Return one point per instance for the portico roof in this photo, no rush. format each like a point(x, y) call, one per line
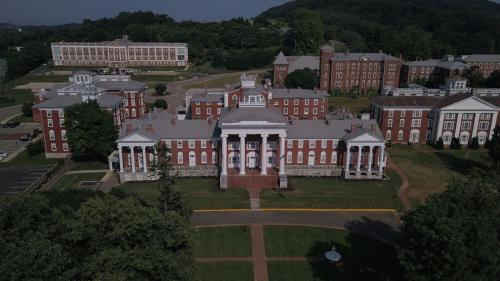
point(252, 117)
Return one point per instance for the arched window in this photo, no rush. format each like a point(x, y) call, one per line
point(388, 135)
point(322, 157)
point(52, 135)
point(204, 157)
point(400, 135)
point(447, 136)
point(63, 134)
point(289, 157)
point(180, 158)
point(334, 157)
point(311, 159)
point(300, 157)
point(214, 157)
point(481, 137)
point(464, 138)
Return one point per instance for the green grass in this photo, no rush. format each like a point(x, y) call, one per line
point(88, 165)
point(231, 241)
point(23, 159)
point(72, 181)
point(429, 170)
point(216, 83)
point(160, 78)
point(22, 119)
point(200, 193)
point(329, 192)
point(354, 104)
point(224, 271)
point(363, 258)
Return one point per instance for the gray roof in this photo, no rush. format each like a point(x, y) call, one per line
point(163, 125)
point(206, 95)
point(121, 85)
point(297, 93)
point(269, 114)
point(326, 47)
point(81, 72)
point(438, 63)
point(331, 129)
point(302, 62)
point(406, 101)
point(109, 100)
point(481, 58)
point(104, 100)
point(370, 56)
point(280, 59)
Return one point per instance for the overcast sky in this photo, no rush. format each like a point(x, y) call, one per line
point(69, 11)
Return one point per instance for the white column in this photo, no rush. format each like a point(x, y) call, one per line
point(493, 124)
point(242, 154)
point(458, 125)
point(381, 159)
point(144, 160)
point(348, 158)
point(224, 155)
point(476, 125)
point(370, 159)
point(360, 150)
point(282, 154)
point(263, 155)
point(132, 158)
point(120, 153)
point(155, 158)
point(439, 130)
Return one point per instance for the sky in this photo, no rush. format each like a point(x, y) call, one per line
point(50, 12)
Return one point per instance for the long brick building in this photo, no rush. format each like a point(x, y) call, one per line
point(252, 141)
point(119, 53)
point(117, 94)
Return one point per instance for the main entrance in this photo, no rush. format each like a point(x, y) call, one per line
point(252, 160)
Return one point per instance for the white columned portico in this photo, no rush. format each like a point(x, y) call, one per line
point(282, 154)
point(381, 159)
point(242, 154)
point(144, 160)
point(224, 155)
point(132, 158)
point(348, 157)
point(475, 126)
point(370, 159)
point(120, 153)
point(263, 155)
point(458, 125)
point(360, 150)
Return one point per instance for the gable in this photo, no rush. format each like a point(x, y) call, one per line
point(135, 137)
point(366, 137)
point(471, 103)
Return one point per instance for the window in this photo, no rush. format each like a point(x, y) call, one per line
point(203, 157)
point(485, 116)
point(295, 111)
point(467, 116)
point(449, 125)
point(400, 135)
point(449, 116)
point(390, 113)
point(306, 101)
point(53, 146)
point(61, 113)
point(417, 113)
point(65, 147)
point(168, 144)
point(388, 135)
point(214, 157)
point(180, 158)
point(335, 143)
point(322, 157)
point(285, 110)
point(289, 157)
point(203, 143)
point(61, 122)
point(50, 123)
point(306, 111)
point(286, 101)
point(296, 101)
point(125, 102)
point(401, 122)
point(389, 123)
point(235, 99)
point(315, 111)
point(198, 111)
point(322, 109)
point(447, 138)
point(301, 143)
point(133, 112)
point(466, 125)
point(209, 111)
point(49, 113)
point(179, 144)
point(312, 143)
point(315, 101)
point(334, 157)
point(192, 143)
point(132, 102)
point(52, 135)
point(63, 135)
point(289, 143)
point(416, 123)
point(484, 125)
point(252, 145)
point(324, 143)
point(300, 157)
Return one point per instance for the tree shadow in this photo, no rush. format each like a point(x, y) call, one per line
point(460, 165)
point(363, 257)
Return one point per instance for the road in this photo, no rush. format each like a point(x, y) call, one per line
point(6, 112)
point(382, 225)
point(178, 88)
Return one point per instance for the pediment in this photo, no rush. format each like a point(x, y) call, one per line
point(136, 137)
point(471, 103)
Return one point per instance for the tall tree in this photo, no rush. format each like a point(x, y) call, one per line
point(307, 30)
point(302, 78)
point(91, 130)
point(494, 148)
point(455, 235)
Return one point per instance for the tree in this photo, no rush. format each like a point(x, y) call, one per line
point(302, 78)
point(494, 147)
point(160, 89)
point(307, 30)
point(26, 109)
point(454, 236)
point(161, 103)
point(439, 144)
point(455, 144)
point(493, 81)
point(474, 144)
point(90, 130)
point(35, 148)
point(170, 199)
point(474, 77)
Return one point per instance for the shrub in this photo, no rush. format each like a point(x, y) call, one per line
point(455, 144)
point(160, 89)
point(439, 144)
point(35, 148)
point(474, 144)
point(161, 103)
point(26, 109)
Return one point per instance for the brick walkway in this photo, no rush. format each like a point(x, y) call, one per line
point(404, 185)
point(259, 253)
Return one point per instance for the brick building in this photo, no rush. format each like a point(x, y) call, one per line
point(422, 119)
point(284, 65)
point(119, 53)
point(432, 71)
point(486, 64)
point(117, 94)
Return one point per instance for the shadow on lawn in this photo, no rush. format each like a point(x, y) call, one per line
point(363, 258)
point(461, 164)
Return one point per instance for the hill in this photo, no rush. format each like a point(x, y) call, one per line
point(414, 28)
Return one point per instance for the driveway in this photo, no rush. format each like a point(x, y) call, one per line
point(17, 179)
point(7, 112)
point(9, 137)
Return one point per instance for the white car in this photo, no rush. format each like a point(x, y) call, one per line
point(3, 155)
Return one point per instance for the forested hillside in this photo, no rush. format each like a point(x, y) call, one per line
point(415, 28)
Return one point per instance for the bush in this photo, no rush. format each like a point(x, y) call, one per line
point(439, 144)
point(302, 78)
point(27, 111)
point(160, 89)
point(455, 144)
point(35, 148)
point(161, 103)
point(474, 144)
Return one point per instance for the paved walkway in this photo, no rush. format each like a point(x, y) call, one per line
point(258, 253)
point(87, 171)
point(404, 185)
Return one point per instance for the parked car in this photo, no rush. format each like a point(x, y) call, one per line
point(26, 137)
point(3, 155)
point(11, 124)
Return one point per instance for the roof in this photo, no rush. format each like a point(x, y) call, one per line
point(121, 85)
point(84, 72)
point(406, 101)
point(249, 114)
point(280, 59)
point(331, 129)
point(449, 100)
point(302, 62)
point(492, 100)
point(357, 56)
point(60, 101)
point(297, 93)
point(326, 47)
point(437, 63)
point(481, 58)
point(109, 100)
point(206, 95)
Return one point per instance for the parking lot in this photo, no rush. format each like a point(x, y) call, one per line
point(9, 137)
point(18, 179)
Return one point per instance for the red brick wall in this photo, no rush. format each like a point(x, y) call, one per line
point(56, 128)
point(202, 107)
point(321, 108)
point(325, 70)
point(406, 128)
point(280, 74)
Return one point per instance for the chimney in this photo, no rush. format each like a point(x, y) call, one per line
point(149, 128)
point(129, 128)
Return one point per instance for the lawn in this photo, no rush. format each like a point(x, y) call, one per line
point(363, 258)
point(216, 83)
point(161, 78)
point(88, 165)
point(23, 159)
point(230, 241)
point(200, 193)
point(22, 119)
point(355, 104)
point(325, 192)
point(72, 181)
point(429, 170)
point(224, 271)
